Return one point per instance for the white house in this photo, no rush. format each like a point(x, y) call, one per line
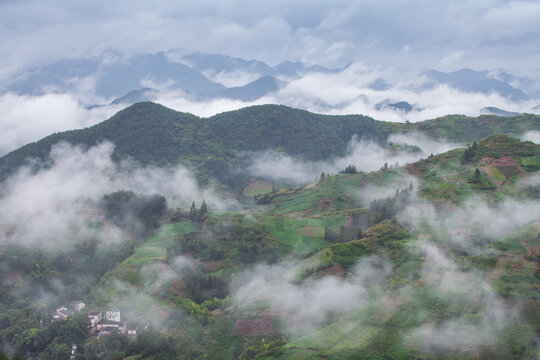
point(62, 313)
point(132, 331)
point(95, 317)
point(112, 316)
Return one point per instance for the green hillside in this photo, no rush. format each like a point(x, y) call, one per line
point(153, 134)
point(437, 283)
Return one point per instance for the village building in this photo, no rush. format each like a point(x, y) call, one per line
point(61, 313)
point(112, 316)
point(107, 328)
point(132, 331)
point(73, 351)
point(95, 317)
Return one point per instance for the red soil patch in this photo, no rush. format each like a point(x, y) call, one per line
point(324, 203)
point(507, 165)
point(309, 231)
point(257, 185)
point(211, 265)
point(335, 270)
point(254, 326)
point(502, 161)
point(519, 264)
point(413, 170)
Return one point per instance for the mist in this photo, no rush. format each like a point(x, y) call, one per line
point(489, 313)
point(51, 206)
point(365, 155)
point(27, 119)
point(473, 223)
point(533, 135)
point(348, 91)
point(312, 302)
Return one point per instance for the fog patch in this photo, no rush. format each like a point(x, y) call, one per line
point(314, 301)
point(155, 276)
point(530, 181)
point(29, 118)
point(533, 135)
point(363, 154)
point(56, 204)
point(474, 221)
point(137, 305)
point(427, 144)
point(372, 191)
point(489, 313)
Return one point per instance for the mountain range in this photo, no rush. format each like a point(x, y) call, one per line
point(433, 258)
point(210, 76)
point(153, 134)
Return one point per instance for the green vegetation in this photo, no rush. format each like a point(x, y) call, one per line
point(417, 276)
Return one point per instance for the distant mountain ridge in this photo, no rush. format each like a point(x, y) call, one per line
point(200, 77)
point(163, 71)
point(153, 134)
point(468, 80)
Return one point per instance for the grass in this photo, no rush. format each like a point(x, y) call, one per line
point(530, 161)
point(289, 231)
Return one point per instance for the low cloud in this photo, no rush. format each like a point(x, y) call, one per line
point(52, 206)
point(350, 92)
point(312, 302)
point(473, 221)
point(156, 275)
point(365, 155)
point(27, 119)
point(462, 331)
point(533, 135)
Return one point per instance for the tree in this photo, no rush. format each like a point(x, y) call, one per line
point(323, 175)
point(351, 169)
point(193, 211)
point(477, 175)
point(203, 212)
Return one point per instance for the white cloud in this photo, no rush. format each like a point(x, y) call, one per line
point(533, 135)
point(365, 155)
point(27, 119)
point(50, 207)
point(310, 303)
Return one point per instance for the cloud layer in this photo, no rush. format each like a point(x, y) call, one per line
point(493, 34)
point(48, 206)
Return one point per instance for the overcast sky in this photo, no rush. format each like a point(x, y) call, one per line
point(406, 34)
point(394, 40)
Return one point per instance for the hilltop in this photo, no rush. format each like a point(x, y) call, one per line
point(153, 134)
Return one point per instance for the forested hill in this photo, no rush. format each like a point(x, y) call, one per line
point(153, 134)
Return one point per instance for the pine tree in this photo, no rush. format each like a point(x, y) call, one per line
point(193, 211)
point(203, 211)
point(477, 175)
